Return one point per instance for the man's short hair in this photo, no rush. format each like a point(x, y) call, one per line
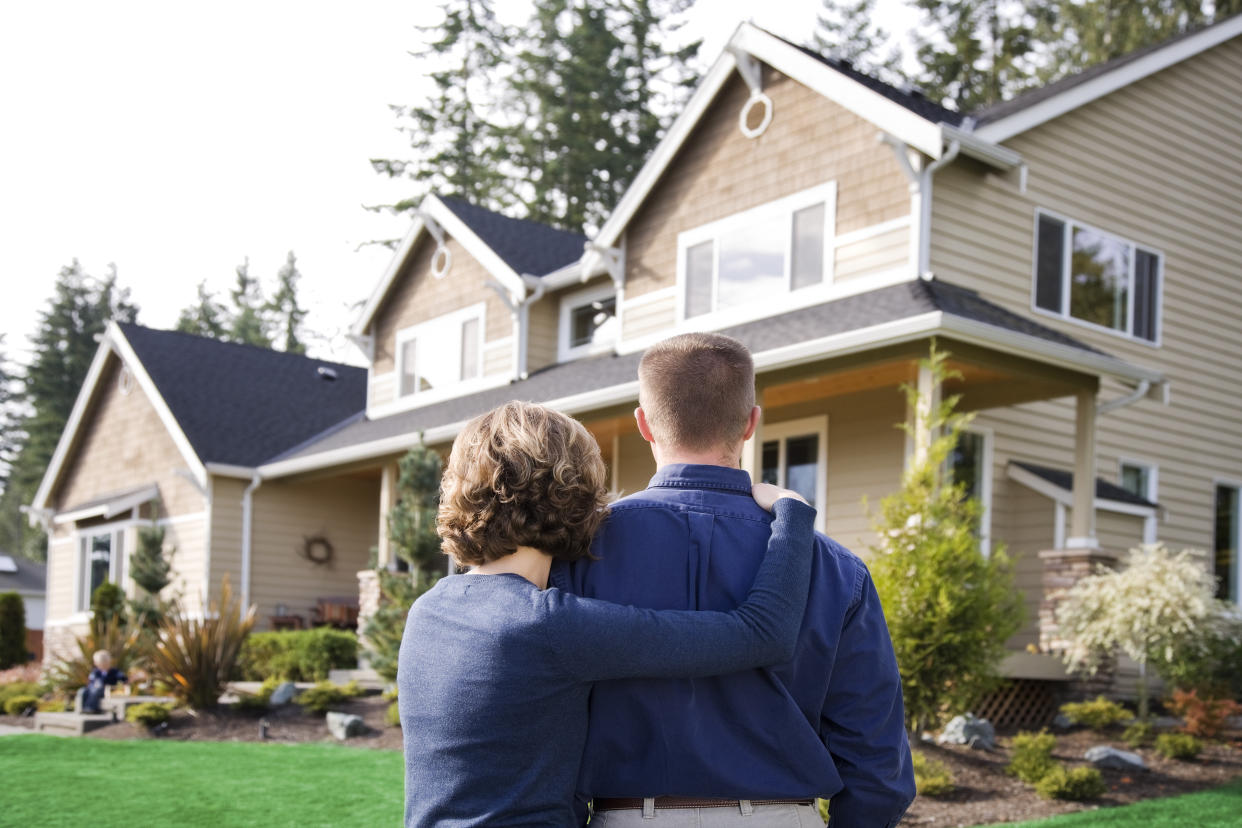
point(697, 390)
point(521, 475)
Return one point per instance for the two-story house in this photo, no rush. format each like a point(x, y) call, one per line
point(1075, 250)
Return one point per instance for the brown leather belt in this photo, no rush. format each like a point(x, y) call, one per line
point(626, 802)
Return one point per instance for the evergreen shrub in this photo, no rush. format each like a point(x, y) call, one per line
point(148, 714)
point(298, 655)
point(1077, 785)
point(1139, 734)
point(18, 705)
point(931, 777)
point(325, 695)
point(1099, 714)
point(1178, 746)
point(1032, 756)
point(12, 630)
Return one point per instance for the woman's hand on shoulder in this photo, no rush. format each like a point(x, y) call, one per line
point(766, 495)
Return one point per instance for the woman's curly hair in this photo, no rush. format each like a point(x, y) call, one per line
point(521, 475)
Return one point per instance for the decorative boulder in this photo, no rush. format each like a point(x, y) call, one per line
point(282, 694)
point(344, 725)
point(1103, 756)
point(969, 730)
point(1062, 722)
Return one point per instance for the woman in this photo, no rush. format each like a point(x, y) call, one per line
point(495, 668)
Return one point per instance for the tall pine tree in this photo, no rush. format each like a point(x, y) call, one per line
point(8, 420)
point(206, 318)
point(975, 53)
point(283, 309)
point(248, 325)
point(64, 344)
point(847, 30)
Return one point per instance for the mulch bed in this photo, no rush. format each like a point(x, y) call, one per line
point(985, 795)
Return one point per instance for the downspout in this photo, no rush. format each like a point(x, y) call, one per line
point(920, 199)
point(519, 312)
point(1139, 392)
point(247, 530)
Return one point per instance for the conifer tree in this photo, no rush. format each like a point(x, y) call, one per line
point(8, 420)
point(975, 53)
point(248, 325)
point(284, 309)
point(949, 608)
point(207, 317)
point(846, 29)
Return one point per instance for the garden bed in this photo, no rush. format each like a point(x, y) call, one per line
point(985, 795)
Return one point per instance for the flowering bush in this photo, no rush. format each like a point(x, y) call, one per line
point(1158, 599)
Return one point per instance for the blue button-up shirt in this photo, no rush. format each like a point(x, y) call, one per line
point(829, 723)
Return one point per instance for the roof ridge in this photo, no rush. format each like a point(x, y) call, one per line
point(246, 345)
point(541, 225)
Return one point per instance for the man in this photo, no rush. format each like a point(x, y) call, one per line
point(757, 745)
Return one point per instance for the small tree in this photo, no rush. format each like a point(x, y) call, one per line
point(150, 567)
point(398, 592)
point(107, 605)
point(950, 609)
point(1145, 609)
point(12, 630)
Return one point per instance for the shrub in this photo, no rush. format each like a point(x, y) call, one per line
point(195, 656)
point(18, 688)
point(107, 604)
point(53, 706)
point(18, 705)
point(950, 609)
point(260, 699)
point(392, 716)
point(1032, 756)
point(1139, 734)
point(1178, 746)
point(931, 777)
point(298, 655)
point(12, 630)
point(1077, 785)
point(148, 714)
point(1099, 715)
point(383, 632)
point(322, 696)
point(28, 672)
point(1206, 658)
point(1205, 717)
point(72, 669)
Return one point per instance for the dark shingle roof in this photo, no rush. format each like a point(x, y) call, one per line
point(239, 404)
point(31, 576)
point(850, 313)
point(1065, 480)
point(526, 246)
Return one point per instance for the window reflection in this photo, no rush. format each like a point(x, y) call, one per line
point(1099, 277)
point(752, 263)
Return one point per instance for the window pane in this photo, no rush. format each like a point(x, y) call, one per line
point(1227, 543)
point(1049, 263)
point(966, 463)
point(807, 267)
point(1099, 277)
point(752, 263)
point(100, 563)
point(1134, 479)
point(802, 466)
point(699, 279)
point(771, 472)
point(408, 352)
point(439, 359)
point(470, 349)
point(1146, 269)
point(592, 322)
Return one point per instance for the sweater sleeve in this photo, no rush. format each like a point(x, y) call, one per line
point(599, 640)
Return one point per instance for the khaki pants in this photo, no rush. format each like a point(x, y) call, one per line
point(743, 815)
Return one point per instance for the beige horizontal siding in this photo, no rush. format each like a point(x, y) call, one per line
point(226, 533)
point(60, 555)
point(879, 253)
point(1159, 163)
point(382, 389)
point(649, 317)
point(1023, 523)
point(498, 359)
point(188, 541)
point(544, 324)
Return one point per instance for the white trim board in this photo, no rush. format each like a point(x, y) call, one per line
point(1110, 81)
point(1064, 497)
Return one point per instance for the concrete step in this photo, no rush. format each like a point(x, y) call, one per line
point(120, 704)
point(367, 679)
point(71, 724)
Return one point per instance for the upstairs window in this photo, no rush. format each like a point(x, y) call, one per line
point(440, 353)
point(588, 322)
point(753, 256)
point(1086, 274)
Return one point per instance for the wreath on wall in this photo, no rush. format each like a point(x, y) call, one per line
point(317, 549)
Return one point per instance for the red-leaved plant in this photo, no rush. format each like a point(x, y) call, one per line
point(1205, 717)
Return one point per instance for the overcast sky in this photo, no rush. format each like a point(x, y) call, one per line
point(174, 140)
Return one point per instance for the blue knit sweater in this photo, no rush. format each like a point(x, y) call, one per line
point(494, 676)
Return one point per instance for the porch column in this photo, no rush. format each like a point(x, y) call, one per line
point(388, 499)
point(1082, 522)
point(920, 417)
point(752, 449)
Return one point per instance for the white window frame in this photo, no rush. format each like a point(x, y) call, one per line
point(1153, 488)
point(1236, 485)
point(453, 320)
point(986, 461)
point(118, 566)
point(571, 302)
point(804, 427)
point(783, 207)
point(1066, 257)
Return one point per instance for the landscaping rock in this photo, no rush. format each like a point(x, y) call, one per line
point(1062, 722)
point(969, 730)
point(344, 725)
point(1103, 756)
point(282, 694)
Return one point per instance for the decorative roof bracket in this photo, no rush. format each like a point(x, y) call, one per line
point(441, 259)
point(611, 257)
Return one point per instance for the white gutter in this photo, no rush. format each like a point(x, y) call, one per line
point(925, 206)
point(247, 540)
point(1139, 392)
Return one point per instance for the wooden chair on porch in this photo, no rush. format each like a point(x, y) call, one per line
point(340, 611)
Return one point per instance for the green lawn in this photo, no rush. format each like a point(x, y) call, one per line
point(1219, 808)
point(53, 781)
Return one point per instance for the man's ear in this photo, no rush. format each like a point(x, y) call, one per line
point(752, 422)
point(640, 417)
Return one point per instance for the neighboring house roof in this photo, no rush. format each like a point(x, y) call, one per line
point(241, 404)
point(1064, 481)
point(24, 576)
point(526, 246)
point(901, 312)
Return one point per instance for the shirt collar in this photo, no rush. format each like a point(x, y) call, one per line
point(693, 476)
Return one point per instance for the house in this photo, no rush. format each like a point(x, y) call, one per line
point(28, 579)
point(1075, 250)
point(168, 428)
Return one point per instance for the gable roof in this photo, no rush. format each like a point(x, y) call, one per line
point(1063, 482)
point(240, 404)
point(1006, 119)
point(906, 311)
point(525, 246)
